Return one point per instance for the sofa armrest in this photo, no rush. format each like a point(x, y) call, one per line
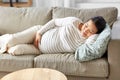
point(114, 52)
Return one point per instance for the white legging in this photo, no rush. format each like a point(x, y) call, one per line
point(24, 37)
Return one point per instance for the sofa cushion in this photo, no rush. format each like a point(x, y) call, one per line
point(23, 49)
point(67, 64)
point(10, 63)
point(17, 19)
point(109, 13)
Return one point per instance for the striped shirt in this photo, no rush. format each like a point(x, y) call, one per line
point(61, 35)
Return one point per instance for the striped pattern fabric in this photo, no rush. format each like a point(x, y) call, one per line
point(61, 35)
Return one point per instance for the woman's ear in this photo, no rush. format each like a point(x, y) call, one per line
point(80, 26)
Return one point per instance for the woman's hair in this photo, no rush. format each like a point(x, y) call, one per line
point(99, 22)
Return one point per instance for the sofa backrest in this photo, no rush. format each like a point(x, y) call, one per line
point(17, 19)
point(109, 13)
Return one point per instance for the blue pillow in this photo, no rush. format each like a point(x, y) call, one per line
point(95, 50)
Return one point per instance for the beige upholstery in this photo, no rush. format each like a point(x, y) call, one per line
point(114, 59)
point(9, 63)
point(17, 19)
point(67, 64)
point(114, 52)
point(110, 14)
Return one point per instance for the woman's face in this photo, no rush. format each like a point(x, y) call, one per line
point(88, 29)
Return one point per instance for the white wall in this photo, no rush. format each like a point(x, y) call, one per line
point(49, 3)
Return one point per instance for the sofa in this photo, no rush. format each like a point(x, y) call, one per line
point(107, 67)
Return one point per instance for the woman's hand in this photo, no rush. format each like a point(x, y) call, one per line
point(37, 39)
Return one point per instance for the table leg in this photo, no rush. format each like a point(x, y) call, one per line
point(11, 3)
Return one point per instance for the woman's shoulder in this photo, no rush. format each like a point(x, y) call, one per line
point(72, 17)
point(69, 18)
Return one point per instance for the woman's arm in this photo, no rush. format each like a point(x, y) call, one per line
point(58, 23)
point(67, 20)
point(47, 26)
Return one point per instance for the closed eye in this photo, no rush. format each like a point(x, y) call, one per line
point(91, 31)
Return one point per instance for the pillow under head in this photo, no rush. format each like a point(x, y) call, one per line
point(95, 50)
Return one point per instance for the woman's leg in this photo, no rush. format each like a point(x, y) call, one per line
point(4, 38)
point(23, 37)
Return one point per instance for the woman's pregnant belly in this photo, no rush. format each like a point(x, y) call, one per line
point(49, 41)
